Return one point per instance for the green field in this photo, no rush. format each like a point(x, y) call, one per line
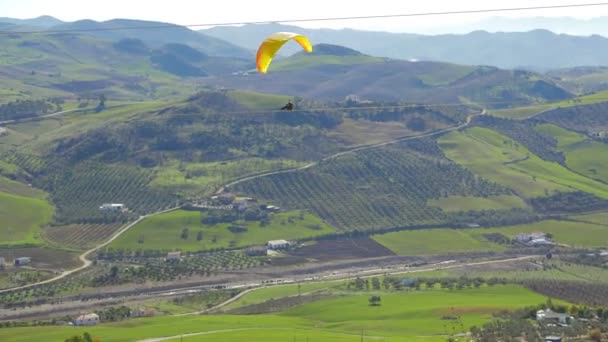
point(442, 241)
point(202, 179)
point(524, 112)
point(259, 101)
point(466, 203)
point(500, 159)
point(597, 218)
point(582, 154)
point(435, 241)
point(264, 294)
point(403, 316)
point(22, 218)
point(164, 232)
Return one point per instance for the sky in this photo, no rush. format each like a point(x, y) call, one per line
point(185, 12)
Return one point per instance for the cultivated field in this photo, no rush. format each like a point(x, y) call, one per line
point(164, 232)
point(402, 316)
point(500, 159)
point(462, 203)
point(80, 236)
point(343, 248)
point(22, 219)
point(442, 241)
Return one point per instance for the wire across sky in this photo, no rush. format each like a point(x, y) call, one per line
point(403, 15)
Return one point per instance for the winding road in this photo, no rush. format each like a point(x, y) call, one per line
point(87, 262)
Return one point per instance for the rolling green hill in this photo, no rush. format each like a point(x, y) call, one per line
point(506, 162)
point(23, 212)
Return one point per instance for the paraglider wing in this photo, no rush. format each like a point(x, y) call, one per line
point(273, 43)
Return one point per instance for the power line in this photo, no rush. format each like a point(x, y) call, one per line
point(384, 16)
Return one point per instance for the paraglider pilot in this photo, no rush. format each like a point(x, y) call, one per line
point(288, 106)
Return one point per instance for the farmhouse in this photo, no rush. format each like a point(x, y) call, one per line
point(273, 208)
point(112, 207)
point(278, 244)
point(174, 255)
point(554, 317)
point(22, 261)
point(88, 319)
point(553, 339)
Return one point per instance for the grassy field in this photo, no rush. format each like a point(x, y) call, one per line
point(466, 203)
point(441, 241)
point(22, 218)
point(582, 154)
point(597, 218)
point(199, 179)
point(403, 316)
point(259, 101)
point(435, 241)
point(523, 112)
point(8, 186)
point(415, 313)
point(273, 292)
point(164, 231)
point(498, 158)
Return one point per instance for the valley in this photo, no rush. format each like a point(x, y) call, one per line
point(152, 179)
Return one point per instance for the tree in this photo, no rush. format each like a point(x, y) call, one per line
point(416, 124)
point(185, 234)
point(595, 335)
point(199, 235)
point(375, 300)
point(87, 337)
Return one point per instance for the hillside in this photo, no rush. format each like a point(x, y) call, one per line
point(44, 21)
point(65, 65)
point(537, 49)
point(393, 80)
point(107, 30)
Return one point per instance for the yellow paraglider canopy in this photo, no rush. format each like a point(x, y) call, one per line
point(273, 43)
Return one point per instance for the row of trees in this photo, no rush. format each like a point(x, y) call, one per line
point(22, 109)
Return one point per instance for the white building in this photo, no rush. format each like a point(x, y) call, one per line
point(555, 317)
point(112, 207)
point(174, 255)
point(278, 244)
point(22, 261)
point(2, 262)
point(88, 319)
point(527, 237)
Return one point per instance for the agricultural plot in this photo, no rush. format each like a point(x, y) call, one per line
point(596, 218)
point(582, 155)
point(342, 248)
point(22, 218)
point(202, 179)
point(374, 189)
point(181, 230)
point(444, 241)
point(402, 316)
point(79, 191)
point(43, 257)
point(498, 158)
point(461, 203)
point(80, 236)
point(436, 241)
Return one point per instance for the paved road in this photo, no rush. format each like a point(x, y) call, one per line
point(87, 262)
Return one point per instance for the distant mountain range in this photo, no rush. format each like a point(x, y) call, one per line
point(538, 49)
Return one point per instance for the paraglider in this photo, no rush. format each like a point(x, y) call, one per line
point(273, 43)
point(288, 106)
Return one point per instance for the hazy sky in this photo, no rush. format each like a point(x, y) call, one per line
point(205, 11)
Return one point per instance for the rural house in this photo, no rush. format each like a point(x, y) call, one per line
point(22, 261)
point(532, 239)
point(256, 251)
point(88, 319)
point(553, 317)
point(553, 339)
point(278, 244)
point(112, 207)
